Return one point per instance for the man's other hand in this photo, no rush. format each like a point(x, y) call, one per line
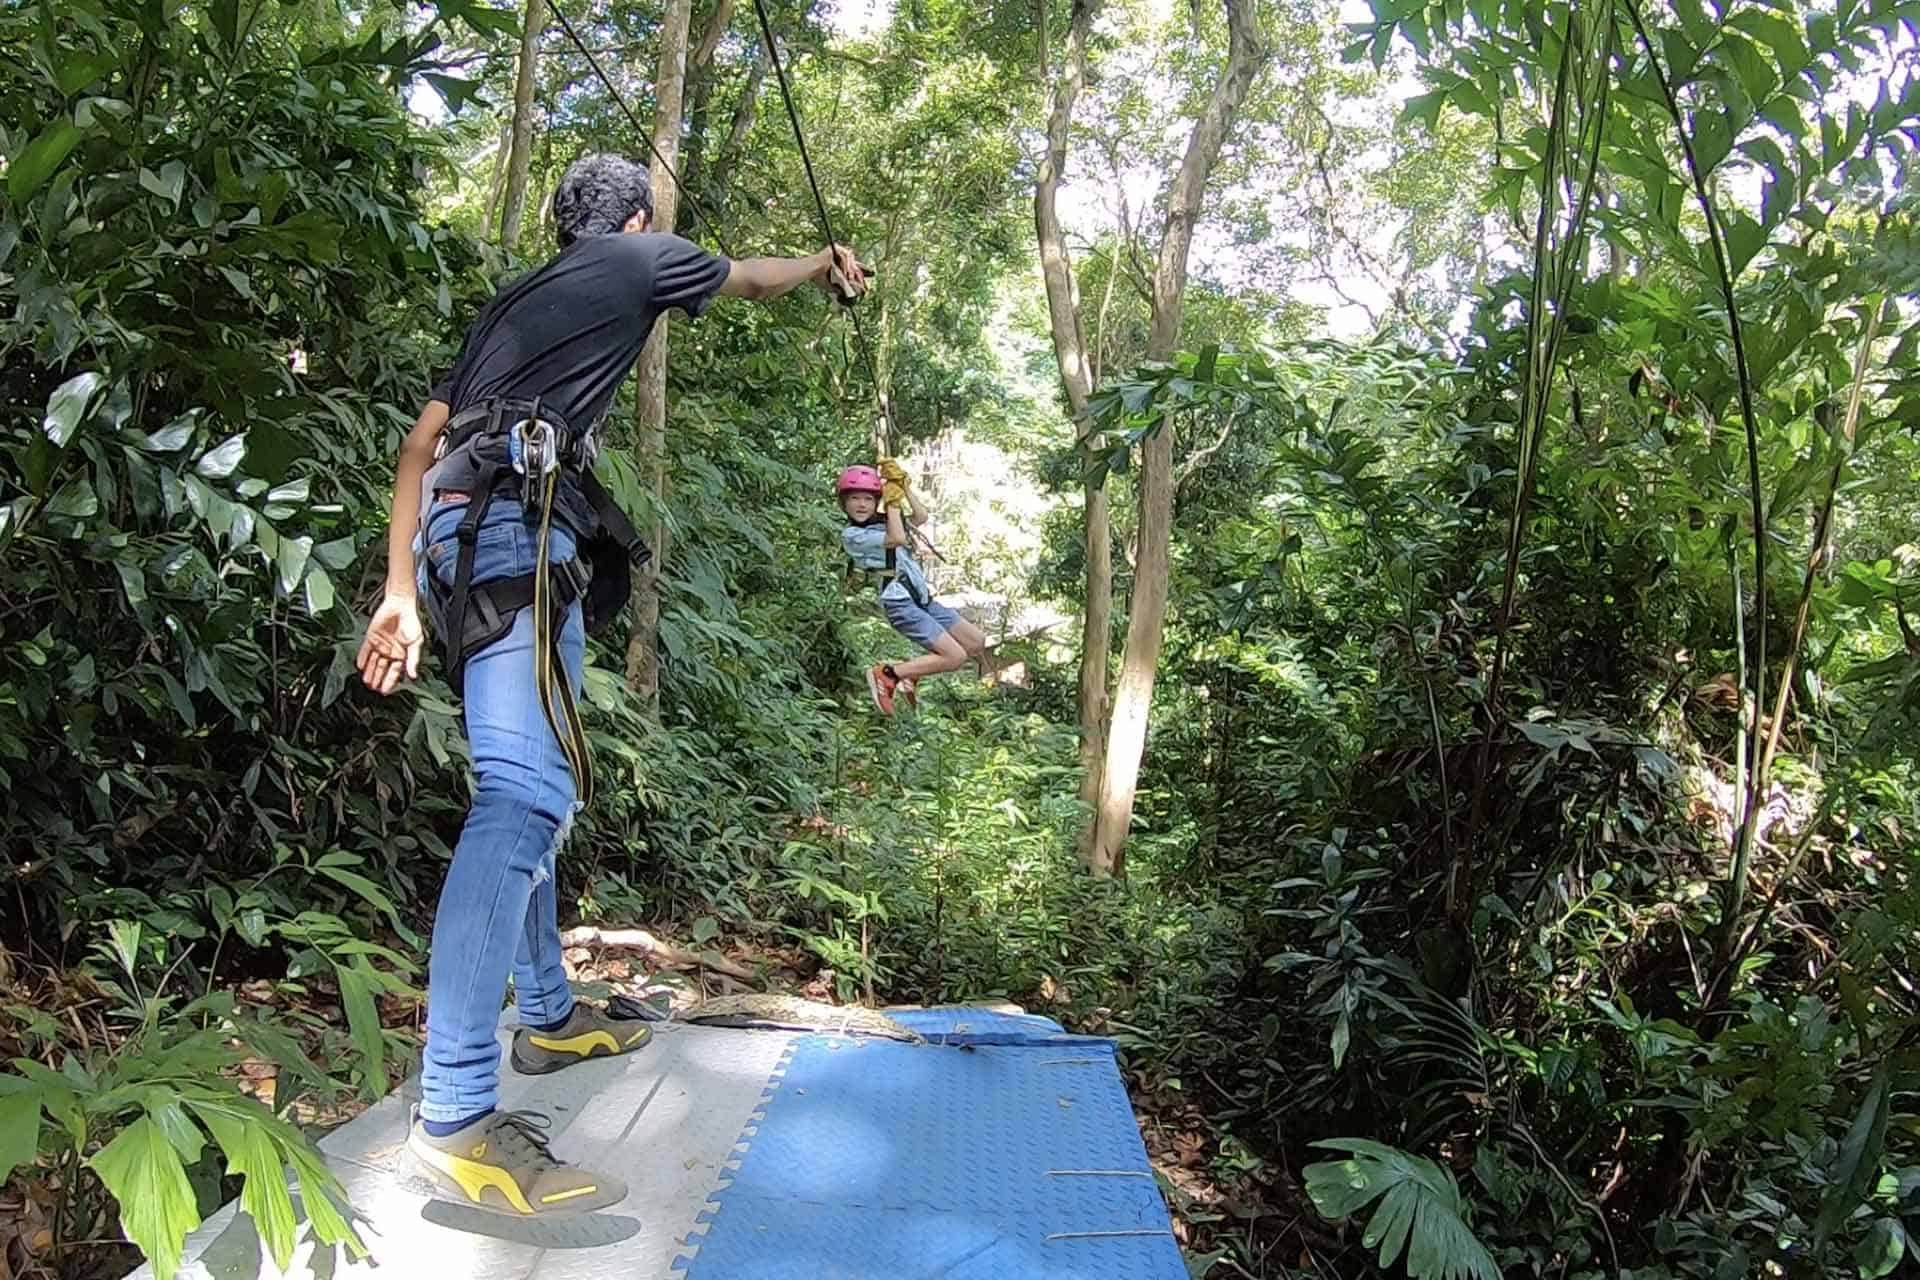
point(392, 645)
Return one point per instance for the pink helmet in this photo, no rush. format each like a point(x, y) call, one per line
point(861, 479)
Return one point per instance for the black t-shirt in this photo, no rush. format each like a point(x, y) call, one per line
point(569, 331)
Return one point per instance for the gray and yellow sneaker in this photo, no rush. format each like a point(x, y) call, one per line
point(502, 1164)
point(588, 1032)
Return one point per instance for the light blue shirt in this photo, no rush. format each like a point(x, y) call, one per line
point(867, 548)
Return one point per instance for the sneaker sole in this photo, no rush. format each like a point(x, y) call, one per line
point(451, 1192)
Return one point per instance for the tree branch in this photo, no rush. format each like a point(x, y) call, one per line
point(1195, 461)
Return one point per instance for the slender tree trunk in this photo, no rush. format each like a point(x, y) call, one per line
point(700, 74)
point(497, 184)
point(522, 153)
point(743, 112)
point(643, 642)
point(1247, 53)
point(1076, 375)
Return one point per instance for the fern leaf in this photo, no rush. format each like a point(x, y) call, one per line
point(1421, 1211)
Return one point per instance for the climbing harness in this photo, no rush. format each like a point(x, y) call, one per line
point(883, 577)
point(517, 447)
point(865, 479)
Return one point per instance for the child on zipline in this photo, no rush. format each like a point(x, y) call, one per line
point(882, 544)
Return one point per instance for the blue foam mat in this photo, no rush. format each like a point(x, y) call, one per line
point(1003, 1148)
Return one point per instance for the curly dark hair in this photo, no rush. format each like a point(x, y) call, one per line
point(597, 194)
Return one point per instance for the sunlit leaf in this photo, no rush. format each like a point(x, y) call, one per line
point(292, 560)
point(142, 1171)
point(68, 405)
point(319, 591)
point(168, 183)
point(251, 1153)
point(219, 462)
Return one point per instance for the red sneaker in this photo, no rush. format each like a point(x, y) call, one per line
point(881, 686)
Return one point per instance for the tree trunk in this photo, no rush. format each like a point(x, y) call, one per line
point(522, 154)
point(1127, 733)
point(497, 184)
point(643, 642)
point(1076, 375)
point(700, 72)
point(743, 112)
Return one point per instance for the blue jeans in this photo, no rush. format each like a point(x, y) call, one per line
point(498, 912)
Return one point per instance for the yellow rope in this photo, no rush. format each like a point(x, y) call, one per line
point(565, 720)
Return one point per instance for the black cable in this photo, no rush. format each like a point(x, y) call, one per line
point(693, 205)
point(820, 204)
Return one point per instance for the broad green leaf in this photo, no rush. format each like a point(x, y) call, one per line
point(219, 462)
point(481, 16)
point(41, 157)
point(1859, 1158)
point(75, 71)
point(76, 500)
point(337, 554)
point(357, 987)
point(19, 1129)
point(12, 515)
point(292, 561)
point(295, 491)
point(176, 435)
point(168, 183)
point(226, 23)
point(67, 406)
point(1745, 238)
point(1425, 108)
point(1781, 37)
point(370, 892)
point(319, 1190)
point(1882, 1249)
point(319, 591)
point(123, 940)
point(251, 925)
point(143, 1172)
point(272, 449)
point(1421, 1210)
point(163, 1108)
point(251, 1153)
point(455, 92)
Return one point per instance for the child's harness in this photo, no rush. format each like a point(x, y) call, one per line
point(516, 447)
point(880, 578)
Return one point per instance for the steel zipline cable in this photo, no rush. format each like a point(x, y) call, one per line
point(806, 161)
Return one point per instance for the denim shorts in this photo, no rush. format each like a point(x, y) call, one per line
point(922, 625)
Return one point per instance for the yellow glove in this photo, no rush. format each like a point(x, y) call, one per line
point(894, 494)
point(891, 470)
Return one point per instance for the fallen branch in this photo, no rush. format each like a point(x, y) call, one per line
point(666, 953)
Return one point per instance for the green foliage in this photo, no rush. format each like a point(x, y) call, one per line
point(234, 261)
point(1421, 1210)
point(138, 1113)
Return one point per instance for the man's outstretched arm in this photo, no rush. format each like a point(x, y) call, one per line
point(763, 278)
